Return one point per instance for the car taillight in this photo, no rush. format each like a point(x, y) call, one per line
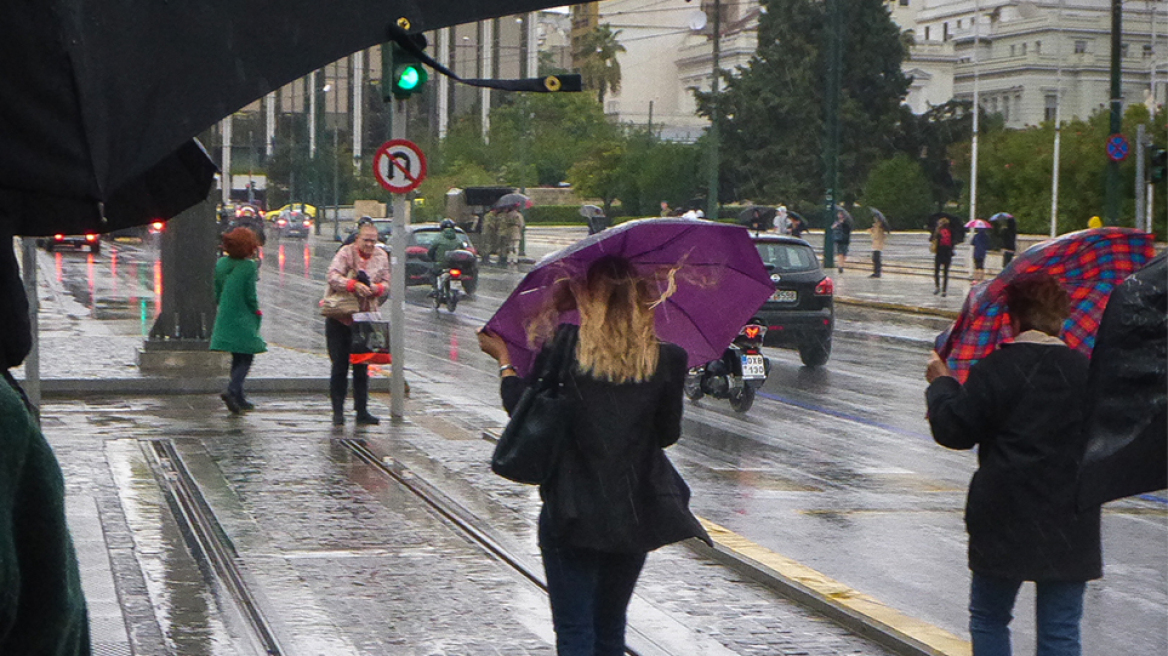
point(456, 273)
point(825, 287)
point(307, 223)
point(90, 237)
point(59, 237)
point(416, 250)
point(281, 223)
point(157, 225)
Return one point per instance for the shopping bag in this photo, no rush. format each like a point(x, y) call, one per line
point(370, 339)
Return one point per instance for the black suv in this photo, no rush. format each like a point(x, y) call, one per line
point(800, 313)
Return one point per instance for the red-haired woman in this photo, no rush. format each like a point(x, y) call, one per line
point(237, 321)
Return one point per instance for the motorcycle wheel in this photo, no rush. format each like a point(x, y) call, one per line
point(693, 387)
point(437, 299)
point(743, 399)
point(452, 300)
point(469, 286)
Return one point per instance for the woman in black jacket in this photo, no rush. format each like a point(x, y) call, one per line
point(1023, 407)
point(614, 496)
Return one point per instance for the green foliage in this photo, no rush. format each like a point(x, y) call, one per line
point(555, 214)
point(597, 60)
point(1016, 167)
point(927, 138)
point(771, 113)
point(898, 188)
point(599, 174)
point(652, 171)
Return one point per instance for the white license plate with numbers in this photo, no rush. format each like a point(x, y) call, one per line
point(785, 296)
point(753, 367)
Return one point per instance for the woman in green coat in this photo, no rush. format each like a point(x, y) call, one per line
point(237, 322)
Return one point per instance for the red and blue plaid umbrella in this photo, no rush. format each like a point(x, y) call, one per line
point(1089, 264)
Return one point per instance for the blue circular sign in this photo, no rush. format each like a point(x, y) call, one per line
point(1117, 147)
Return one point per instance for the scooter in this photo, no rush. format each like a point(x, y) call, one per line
point(444, 292)
point(740, 371)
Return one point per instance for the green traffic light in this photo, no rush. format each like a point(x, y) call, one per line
point(409, 78)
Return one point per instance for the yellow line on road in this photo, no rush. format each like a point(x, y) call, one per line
point(933, 638)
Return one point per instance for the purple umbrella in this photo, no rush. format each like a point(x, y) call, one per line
point(721, 282)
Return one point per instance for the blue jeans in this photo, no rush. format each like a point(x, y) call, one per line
point(1059, 607)
point(589, 593)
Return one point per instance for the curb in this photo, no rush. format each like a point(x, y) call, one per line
point(849, 608)
point(164, 386)
point(898, 307)
point(891, 339)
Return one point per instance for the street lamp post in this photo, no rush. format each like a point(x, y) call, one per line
point(715, 136)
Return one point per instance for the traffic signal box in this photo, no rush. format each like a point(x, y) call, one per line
point(402, 73)
point(1158, 171)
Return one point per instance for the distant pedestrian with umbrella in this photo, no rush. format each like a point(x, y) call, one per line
point(237, 320)
point(614, 495)
point(597, 221)
point(879, 232)
point(1008, 233)
point(842, 235)
point(511, 225)
point(941, 243)
point(981, 246)
point(1022, 406)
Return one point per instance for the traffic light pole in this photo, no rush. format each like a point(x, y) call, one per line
point(1141, 175)
point(397, 267)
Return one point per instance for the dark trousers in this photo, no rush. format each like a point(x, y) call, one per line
point(876, 263)
point(589, 593)
point(1058, 611)
point(340, 338)
point(240, 365)
point(941, 262)
point(1006, 257)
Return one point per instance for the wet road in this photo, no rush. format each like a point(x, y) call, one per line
point(833, 467)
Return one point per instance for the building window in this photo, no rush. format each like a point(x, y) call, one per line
point(1038, 47)
point(958, 23)
point(903, 3)
point(994, 105)
point(1123, 50)
point(1148, 51)
point(1006, 108)
point(1012, 52)
point(926, 33)
point(945, 31)
point(1023, 49)
point(1050, 106)
point(1080, 47)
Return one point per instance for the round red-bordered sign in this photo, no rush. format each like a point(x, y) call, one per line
point(1117, 147)
point(399, 166)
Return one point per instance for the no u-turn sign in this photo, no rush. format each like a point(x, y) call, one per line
point(399, 166)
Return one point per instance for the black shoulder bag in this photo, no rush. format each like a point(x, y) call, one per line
point(531, 443)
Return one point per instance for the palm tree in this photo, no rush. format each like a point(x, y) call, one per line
point(597, 60)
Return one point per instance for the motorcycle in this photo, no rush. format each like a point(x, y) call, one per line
point(740, 371)
point(444, 292)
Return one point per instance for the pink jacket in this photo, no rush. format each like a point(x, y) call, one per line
point(348, 261)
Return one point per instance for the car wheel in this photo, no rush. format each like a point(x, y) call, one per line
point(693, 386)
point(95, 248)
point(815, 351)
point(742, 399)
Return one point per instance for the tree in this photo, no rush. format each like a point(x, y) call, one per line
point(898, 188)
point(597, 60)
point(771, 113)
point(927, 138)
point(599, 175)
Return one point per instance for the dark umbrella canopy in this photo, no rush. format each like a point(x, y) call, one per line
point(757, 217)
point(956, 225)
point(878, 216)
point(507, 201)
point(99, 101)
point(1127, 391)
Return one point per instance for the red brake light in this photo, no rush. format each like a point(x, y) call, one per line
point(825, 287)
point(157, 225)
point(456, 273)
point(416, 250)
point(59, 237)
point(751, 332)
point(90, 237)
point(307, 223)
point(281, 222)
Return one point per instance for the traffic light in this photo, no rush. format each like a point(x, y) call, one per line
point(402, 73)
point(1159, 170)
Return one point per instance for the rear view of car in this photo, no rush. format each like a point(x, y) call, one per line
point(293, 224)
point(88, 242)
point(800, 313)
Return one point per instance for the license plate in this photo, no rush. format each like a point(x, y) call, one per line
point(753, 367)
point(785, 296)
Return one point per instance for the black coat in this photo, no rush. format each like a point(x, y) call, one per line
point(1023, 406)
point(614, 488)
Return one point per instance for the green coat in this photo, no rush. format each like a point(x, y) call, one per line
point(237, 322)
point(42, 608)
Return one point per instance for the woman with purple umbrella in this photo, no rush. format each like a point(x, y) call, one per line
point(614, 496)
point(1023, 407)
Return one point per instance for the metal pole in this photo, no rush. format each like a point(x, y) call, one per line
point(312, 116)
point(1111, 207)
point(1058, 127)
point(1141, 173)
point(485, 51)
point(32, 362)
point(444, 36)
point(831, 123)
point(358, 106)
point(714, 135)
point(976, 112)
point(225, 159)
point(397, 264)
point(270, 124)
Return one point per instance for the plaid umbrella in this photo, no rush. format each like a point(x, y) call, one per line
point(1089, 264)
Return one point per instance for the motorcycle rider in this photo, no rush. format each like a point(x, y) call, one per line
point(448, 240)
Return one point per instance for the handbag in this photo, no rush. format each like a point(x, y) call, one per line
point(933, 245)
point(338, 305)
point(530, 446)
point(369, 343)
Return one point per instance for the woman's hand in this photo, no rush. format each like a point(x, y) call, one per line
point(936, 368)
point(362, 290)
point(494, 346)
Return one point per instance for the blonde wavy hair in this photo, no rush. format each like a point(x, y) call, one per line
point(618, 339)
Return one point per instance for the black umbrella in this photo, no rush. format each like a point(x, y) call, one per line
point(877, 215)
point(99, 101)
point(956, 226)
point(1127, 392)
point(757, 217)
point(517, 201)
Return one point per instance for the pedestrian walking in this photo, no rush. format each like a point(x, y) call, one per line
point(1009, 240)
point(510, 233)
point(781, 224)
point(797, 226)
point(879, 231)
point(981, 246)
point(492, 223)
point(237, 319)
point(842, 237)
point(361, 269)
point(665, 210)
point(42, 608)
point(941, 243)
point(614, 496)
point(1023, 407)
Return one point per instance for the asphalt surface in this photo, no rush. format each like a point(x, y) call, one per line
point(833, 470)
